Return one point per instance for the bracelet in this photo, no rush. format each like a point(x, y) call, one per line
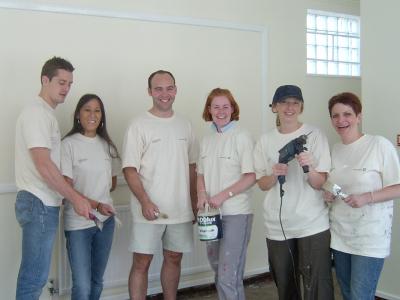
point(372, 197)
point(98, 206)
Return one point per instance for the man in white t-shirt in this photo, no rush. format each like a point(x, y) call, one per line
point(158, 160)
point(40, 184)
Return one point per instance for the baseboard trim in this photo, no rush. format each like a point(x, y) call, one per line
point(387, 296)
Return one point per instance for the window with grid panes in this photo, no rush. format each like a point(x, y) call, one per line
point(333, 44)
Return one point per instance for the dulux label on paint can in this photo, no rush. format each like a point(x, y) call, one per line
point(209, 224)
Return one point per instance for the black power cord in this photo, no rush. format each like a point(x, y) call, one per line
point(282, 192)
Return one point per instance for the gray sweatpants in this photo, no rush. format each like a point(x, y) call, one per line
point(227, 256)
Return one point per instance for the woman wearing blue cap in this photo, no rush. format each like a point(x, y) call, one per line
point(295, 214)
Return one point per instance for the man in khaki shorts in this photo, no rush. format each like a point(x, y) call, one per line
point(159, 156)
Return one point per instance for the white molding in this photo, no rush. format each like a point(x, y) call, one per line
point(117, 14)
point(333, 14)
point(129, 15)
point(7, 188)
point(387, 295)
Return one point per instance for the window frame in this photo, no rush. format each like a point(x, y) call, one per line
point(332, 45)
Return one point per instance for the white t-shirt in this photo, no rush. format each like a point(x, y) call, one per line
point(304, 211)
point(36, 126)
point(224, 158)
point(368, 164)
point(88, 163)
point(161, 150)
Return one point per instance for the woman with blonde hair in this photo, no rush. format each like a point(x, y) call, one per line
point(297, 222)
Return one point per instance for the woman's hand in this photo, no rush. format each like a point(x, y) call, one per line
point(105, 209)
point(357, 201)
point(306, 159)
point(216, 201)
point(328, 197)
point(202, 199)
point(279, 169)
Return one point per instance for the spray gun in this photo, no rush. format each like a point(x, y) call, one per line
point(290, 150)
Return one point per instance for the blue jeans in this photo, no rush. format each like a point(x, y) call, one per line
point(88, 252)
point(357, 275)
point(39, 226)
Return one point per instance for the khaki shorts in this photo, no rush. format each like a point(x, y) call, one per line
point(145, 237)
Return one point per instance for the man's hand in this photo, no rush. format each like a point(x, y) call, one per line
point(150, 211)
point(82, 207)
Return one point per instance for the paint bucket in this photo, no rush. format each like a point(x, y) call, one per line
point(209, 224)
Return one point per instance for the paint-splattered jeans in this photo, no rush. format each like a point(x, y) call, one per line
point(227, 256)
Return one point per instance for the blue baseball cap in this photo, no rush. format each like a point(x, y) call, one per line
point(287, 91)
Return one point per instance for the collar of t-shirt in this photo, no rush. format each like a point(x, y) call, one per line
point(45, 104)
point(228, 126)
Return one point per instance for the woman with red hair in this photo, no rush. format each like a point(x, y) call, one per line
point(225, 175)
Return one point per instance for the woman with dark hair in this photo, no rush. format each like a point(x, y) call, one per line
point(90, 163)
point(366, 167)
point(225, 175)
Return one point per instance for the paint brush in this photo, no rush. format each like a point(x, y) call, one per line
point(160, 215)
point(335, 189)
point(98, 223)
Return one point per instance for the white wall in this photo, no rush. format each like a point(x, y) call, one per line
point(282, 61)
point(380, 90)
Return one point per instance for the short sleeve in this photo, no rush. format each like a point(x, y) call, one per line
point(245, 148)
point(66, 158)
point(132, 149)
point(193, 147)
point(200, 165)
point(390, 163)
point(36, 129)
point(116, 166)
point(319, 147)
point(262, 166)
